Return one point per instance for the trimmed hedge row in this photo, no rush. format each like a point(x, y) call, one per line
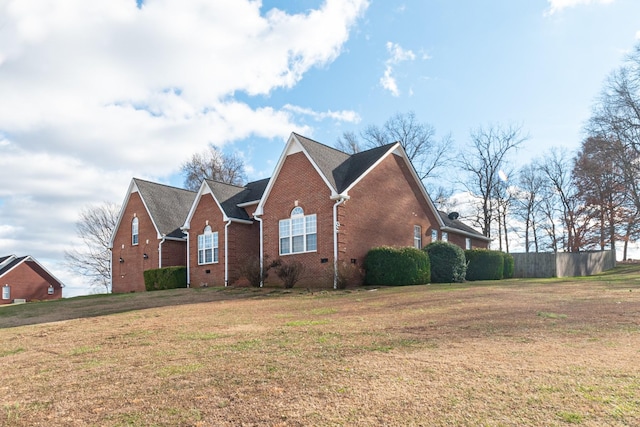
point(485, 264)
point(386, 265)
point(165, 278)
point(438, 262)
point(448, 263)
point(509, 265)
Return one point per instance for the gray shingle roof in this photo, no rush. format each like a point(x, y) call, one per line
point(230, 196)
point(457, 224)
point(12, 263)
point(168, 206)
point(340, 168)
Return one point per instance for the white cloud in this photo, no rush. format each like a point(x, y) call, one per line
point(396, 55)
point(94, 93)
point(342, 116)
point(638, 35)
point(559, 5)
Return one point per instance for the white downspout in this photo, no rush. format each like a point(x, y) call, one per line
point(226, 253)
point(185, 231)
point(261, 249)
point(336, 225)
point(160, 250)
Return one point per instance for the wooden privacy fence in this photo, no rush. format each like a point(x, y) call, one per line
point(562, 264)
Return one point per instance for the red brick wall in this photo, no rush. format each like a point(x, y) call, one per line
point(174, 253)
point(128, 275)
point(243, 240)
point(206, 274)
point(244, 245)
point(382, 210)
point(25, 283)
point(299, 181)
point(460, 240)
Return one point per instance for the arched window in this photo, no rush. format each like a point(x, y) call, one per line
point(208, 246)
point(134, 231)
point(298, 233)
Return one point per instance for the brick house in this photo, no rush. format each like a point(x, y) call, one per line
point(322, 207)
point(25, 279)
point(147, 233)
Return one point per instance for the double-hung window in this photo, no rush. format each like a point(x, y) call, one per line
point(134, 231)
point(208, 246)
point(299, 233)
point(417, 236)
point(445, 236)
point(434, 235)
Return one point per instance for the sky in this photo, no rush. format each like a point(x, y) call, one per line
point(95, 93)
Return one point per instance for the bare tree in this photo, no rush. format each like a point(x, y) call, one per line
point(215, 165)
point(428, 155)
point(93, 259)
point(616, 117)
point(484, 163)
point(556, 168)
point(348, 143)
point(504, 197)
point(600, 185)
point(527, 203)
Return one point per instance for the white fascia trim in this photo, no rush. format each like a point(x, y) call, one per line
point(240, 221)
point(372, 167)
point(8, 260)
point(131, 190)
point(176, 239)
point(204, 189)
point(30, 258)
point(400, 151)
point(292, 140)
point(465, 233)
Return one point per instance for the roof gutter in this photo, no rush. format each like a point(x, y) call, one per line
point(465, 233)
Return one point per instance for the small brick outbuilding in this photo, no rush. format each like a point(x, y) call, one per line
point(24, 279)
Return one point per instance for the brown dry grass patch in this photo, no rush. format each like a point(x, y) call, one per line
point(512, 353)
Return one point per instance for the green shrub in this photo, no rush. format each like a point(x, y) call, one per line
point(448, 263)
point(165, 278)
point(509, 265)
point(396, 266)
point(484, 264)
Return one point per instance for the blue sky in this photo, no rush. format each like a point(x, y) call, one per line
point(95, 93)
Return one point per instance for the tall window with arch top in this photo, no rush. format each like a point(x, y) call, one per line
point(298, 233)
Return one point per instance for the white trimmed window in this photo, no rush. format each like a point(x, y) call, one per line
point(208, 247)
point(467, 243)
point(434, 235)
point(134, 231)
point(299, 233)
point(6, 292)
point(417, 236)
point(445, 236)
